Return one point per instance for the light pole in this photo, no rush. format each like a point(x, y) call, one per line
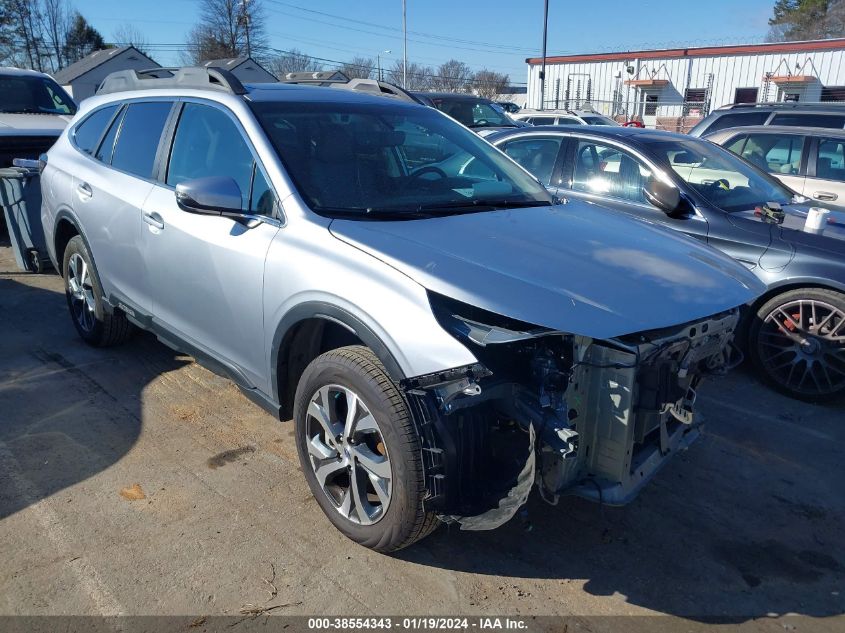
point(543, 69)
point(378, 63)
point(404, 46)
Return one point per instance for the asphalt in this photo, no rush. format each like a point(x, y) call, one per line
point(133, 481)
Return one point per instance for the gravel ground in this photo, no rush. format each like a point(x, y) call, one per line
point(133, 481)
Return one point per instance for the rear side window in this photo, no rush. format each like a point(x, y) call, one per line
point(736, 119)
point(137, 143)
point(830, 161)
point(810, 120)
point(537, 155)
point(107, 146)
point(87, 134)
point(542, 120)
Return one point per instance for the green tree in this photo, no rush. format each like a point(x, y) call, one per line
point(807, 20)
point(82, 39)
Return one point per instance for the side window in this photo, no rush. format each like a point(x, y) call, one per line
point(609, 171)
point(810, 120)
point(140, 132)
point(208, 143)
point(830, 161)
point(87, 134)
point(542, 120)
point(262, 199)
point(736, 119)
point(106, 150)
point(568, 121)
point(735, 144)
point(537, 155)
point(775, 153)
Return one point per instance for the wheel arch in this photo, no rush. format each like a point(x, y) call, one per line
point(65, 228)
point(310, 329)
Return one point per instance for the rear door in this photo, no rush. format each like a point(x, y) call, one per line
point(207, 272)
point(825, 182)
point(110, 187)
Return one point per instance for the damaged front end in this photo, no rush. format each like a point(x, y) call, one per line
point(573, 415)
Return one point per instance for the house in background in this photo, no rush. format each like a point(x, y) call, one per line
point(81, 79)
point(246, 69)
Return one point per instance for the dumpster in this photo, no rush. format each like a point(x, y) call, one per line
point(20, 199)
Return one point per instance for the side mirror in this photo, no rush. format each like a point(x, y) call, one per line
point(664, 196)
point(215, 195)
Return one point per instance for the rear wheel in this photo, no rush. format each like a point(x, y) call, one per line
point(85, 300)
point(360, 451)
point(797, 343)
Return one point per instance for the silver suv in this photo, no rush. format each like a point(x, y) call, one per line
point(444, 337)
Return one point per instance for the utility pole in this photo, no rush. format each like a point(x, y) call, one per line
point(243, 18)
point(404, 45)
point(543, 68)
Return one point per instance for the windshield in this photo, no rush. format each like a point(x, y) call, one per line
point(392, 162)
point(473, 114)
point(724, 179)
point(33, 95)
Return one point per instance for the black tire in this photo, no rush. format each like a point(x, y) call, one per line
point(356, 368)
point(814, 370)
point(96, 327)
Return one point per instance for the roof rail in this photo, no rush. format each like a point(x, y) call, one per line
point(189, 77)
point(336, 79)
point(784, 104)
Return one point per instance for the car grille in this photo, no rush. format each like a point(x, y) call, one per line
point(23, 147)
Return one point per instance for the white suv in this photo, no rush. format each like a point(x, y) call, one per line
point(445, 338)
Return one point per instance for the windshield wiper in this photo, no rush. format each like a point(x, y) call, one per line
point(482, 204)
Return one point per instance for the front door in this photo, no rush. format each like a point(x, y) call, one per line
point(207, 272)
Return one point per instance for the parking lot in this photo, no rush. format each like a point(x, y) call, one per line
point(133, 481)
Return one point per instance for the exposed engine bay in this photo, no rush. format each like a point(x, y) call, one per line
point(567, 413)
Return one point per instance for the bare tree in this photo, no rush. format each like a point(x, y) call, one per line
point(293, 61)
point(807, 20)
point(419, 76)
point(23, 25)
point(227, 28)
point(128, 34)
point(363, 67)
point(56, 24)
point(452, 76)
point(488, 83)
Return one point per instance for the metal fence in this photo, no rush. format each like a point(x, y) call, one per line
point(652, 112)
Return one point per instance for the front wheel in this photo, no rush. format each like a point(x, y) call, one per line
point(359, 450)
point(797, 343)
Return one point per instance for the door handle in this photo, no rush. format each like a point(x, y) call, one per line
point(824, 195)
point(84, 190)
point(154, 220)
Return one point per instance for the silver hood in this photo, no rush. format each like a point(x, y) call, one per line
point(576, 267)
point(14, 123)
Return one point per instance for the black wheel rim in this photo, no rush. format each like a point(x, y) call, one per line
point(802, 346)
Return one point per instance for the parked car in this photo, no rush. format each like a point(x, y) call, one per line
point(33, 111)
point(442, 340)
point(563, 117)
point(477, 113)
point(828, 115)
point(796, 331)
point(509, 106)
point(808, 160)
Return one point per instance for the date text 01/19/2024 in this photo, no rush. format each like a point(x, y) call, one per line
point(424, 623)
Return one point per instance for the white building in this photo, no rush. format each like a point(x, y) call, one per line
point(673, 88)
point(82, 78)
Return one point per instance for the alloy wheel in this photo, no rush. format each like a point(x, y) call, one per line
point(347, 452)
point(802, 346)
point(81, 292)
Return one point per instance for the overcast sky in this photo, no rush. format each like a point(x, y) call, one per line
point(484, 33)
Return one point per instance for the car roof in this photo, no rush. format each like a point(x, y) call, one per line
point(627, 133)
point(451, 95)
point(790, 105)
point(298, 93)
point(778, 129)
point(11, 71)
